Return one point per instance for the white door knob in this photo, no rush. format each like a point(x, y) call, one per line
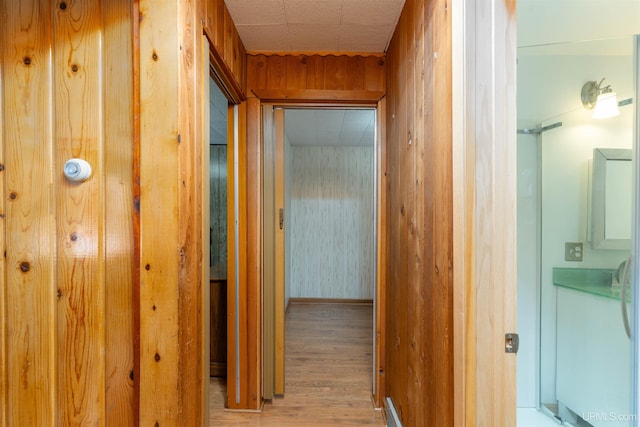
point(77, 170)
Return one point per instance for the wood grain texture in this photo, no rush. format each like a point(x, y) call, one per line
point(192, 285)
point(419, 369)
point(229, 52)
point(316, 77)
point(159, 196)
point(487, 213)
point(380, 299)
point(328, 372)
point(29, 288)
point(59, 105)
point(119, 272)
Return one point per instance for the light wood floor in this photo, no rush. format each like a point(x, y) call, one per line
point(327, 373)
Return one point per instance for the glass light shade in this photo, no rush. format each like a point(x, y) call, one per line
point(606, 106)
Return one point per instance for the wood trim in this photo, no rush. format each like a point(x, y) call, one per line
point(315, 95)
point(254, 248)
point(381, 246)
point(314, 53)
point(279, 166)
point(225, 77)
point(485, 212)
point(268, 239)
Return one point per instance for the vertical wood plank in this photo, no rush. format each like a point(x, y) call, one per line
point(257, 71)
point(276, 72)
point(118, 164)
point(355, 72)
point(159, 252)
point(296, 71)
point(419, 223)
point(30, 226)
point(80, 214)
point(335, 72)
point(375, 73)
point(315, 72)
point(192, 285)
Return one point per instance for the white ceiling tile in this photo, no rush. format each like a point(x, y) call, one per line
point(379, 12)
point(364, 38)
point(257, 12)
point(265, 37)
point(318, 38)
point(313, 12)
point(366, 25)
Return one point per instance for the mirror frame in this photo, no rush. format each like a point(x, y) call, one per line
point(598, 199)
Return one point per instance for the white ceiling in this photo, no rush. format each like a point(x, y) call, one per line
point(329, 127)
point(315, 25)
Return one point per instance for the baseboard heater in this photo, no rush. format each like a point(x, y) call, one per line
point(392, 416)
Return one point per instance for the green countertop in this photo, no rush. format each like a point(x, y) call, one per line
point(595, 281)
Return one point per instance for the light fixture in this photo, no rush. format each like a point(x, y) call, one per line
point(601, 99)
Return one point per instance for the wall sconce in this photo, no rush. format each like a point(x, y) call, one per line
point(602, 100)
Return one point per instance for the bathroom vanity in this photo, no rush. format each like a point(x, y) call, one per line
point(593, 350)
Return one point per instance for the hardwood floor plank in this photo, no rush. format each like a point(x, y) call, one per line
point(329, 359)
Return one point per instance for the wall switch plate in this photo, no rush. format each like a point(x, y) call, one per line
point(573, 251)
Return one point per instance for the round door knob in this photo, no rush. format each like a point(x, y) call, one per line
point(77, 170)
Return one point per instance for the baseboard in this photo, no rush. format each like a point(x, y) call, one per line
point(330, 301)
point(391, 416)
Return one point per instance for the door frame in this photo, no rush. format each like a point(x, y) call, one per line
point(275, 385)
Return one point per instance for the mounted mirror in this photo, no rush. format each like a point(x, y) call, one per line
point(611, 198)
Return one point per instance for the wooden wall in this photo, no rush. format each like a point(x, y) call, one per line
point(67, 277)
point(174, 275)
point(419, 298)
point(316, 78)
point(102, 284)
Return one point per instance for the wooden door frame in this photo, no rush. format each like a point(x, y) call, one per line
point(484, 233)
point(378, 321)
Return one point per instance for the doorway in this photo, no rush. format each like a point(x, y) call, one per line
point(320, 196)
point(571, 295)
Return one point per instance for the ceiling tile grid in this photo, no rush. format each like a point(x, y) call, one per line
point(362, 26)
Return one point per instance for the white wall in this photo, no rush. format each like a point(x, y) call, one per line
point(331, 222)
point(548, 92)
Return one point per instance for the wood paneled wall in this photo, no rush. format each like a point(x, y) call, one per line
point(316, 78)
point(120, 84)
point(419, 299)
point(67, 278)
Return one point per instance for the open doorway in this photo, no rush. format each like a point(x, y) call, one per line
point(320, 174)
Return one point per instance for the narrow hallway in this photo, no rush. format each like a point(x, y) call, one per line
point(328, 372)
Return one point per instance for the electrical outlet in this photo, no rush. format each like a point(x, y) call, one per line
point(573, 251)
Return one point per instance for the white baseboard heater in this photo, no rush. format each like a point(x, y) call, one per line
point(392, 416)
